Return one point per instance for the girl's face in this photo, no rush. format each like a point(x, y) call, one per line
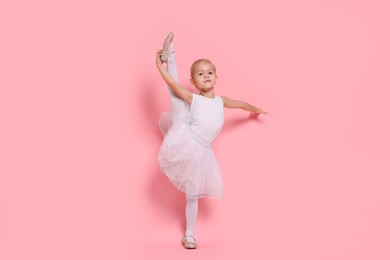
point(204, 77)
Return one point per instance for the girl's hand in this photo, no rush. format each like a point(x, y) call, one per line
point(258, 112)
point(262, 112)
point(158, 58)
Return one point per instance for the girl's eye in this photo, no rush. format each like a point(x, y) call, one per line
point(200, 74)
point(210, 72)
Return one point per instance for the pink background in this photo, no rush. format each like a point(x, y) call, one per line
point(80, 99)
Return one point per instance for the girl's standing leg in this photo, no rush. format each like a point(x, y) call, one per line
point(191, 214)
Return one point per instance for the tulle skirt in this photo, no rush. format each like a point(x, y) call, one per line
point(189, 164)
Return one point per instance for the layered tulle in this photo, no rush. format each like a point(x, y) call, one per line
point(189, 164)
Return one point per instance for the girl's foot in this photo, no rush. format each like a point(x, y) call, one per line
point(189, 242)
point(167, 43)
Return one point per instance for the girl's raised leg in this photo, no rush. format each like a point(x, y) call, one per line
point(179, 107)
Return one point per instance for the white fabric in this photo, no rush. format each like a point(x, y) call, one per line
point(191, 214)
point(207, 117)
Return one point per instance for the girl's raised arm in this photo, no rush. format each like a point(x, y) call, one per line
point(230, 103)
point(181, 92)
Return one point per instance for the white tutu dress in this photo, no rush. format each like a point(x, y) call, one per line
point(186, 155)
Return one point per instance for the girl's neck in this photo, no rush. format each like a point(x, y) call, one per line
point(209, 93)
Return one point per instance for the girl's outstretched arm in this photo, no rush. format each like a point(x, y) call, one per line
point(230, 103)
point(181, 92)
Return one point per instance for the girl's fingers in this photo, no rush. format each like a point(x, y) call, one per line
point(158, 57)
point(159, 53)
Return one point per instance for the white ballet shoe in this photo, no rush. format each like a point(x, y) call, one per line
point(187, 244)
point(167, 43)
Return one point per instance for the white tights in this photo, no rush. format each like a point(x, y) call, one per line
point(179, 107)
point(191, 214)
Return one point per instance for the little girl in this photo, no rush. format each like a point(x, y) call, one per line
point(186, 156)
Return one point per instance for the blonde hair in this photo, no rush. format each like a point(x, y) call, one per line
point(193, 66)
